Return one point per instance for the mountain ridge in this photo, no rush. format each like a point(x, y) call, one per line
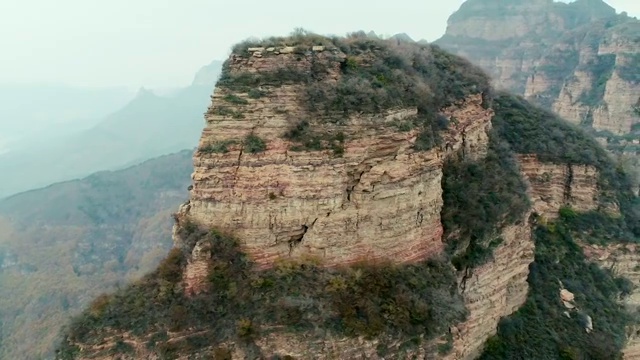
point(477, 182)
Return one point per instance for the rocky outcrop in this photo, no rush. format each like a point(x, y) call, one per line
point(576, 59)
point(490, 292)
point(372, 195)
point(494, 290)
point(380, 199)
point(552, 186)
point(588, 77)
point(508, 38)
point(623, 260)
point(197, 269)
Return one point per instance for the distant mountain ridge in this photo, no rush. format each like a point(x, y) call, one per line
point(146, 127)
point(33, 113)
point(62, 245)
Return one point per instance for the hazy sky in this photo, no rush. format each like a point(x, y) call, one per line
point(162, 43)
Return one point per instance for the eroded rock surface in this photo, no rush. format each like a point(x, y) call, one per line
point(380, 199)
point(494, 290)
point(552, 186)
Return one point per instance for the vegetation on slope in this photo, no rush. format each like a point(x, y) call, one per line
point(403, 302)
point(532, 130)
point(65, 244)
point(374, 76)
point(480, 198)
point(544, 328)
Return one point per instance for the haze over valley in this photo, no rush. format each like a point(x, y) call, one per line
point(265, 180)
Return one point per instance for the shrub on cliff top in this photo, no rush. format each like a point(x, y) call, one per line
point(375, 76)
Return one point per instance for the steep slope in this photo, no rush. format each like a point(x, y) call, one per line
point(594, 83)
point(578, 60)
point(63, 245)
point(350, 200)
point(573, 308)
point(508, 37)
point(146, 127)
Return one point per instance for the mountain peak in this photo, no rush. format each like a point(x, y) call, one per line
point(507, 19)
point(144, 92)
point(208, 74)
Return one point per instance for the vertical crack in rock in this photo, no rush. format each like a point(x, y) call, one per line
point(235, 174)
point(464, 143)
point(468, 273)
point(353, 185)
point(567, 184)
point(356, 180)
point(420, 217)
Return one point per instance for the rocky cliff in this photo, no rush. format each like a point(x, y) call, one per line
point(507, 38)
point(380, 199)
point(493, 291)
point(622, 260)
point(552, 186)
point(351, 199)
point(588, 77)
point(576, 59)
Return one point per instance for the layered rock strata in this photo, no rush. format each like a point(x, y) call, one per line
point(552, 186)
point(494, 290)
point(508, 38)
point(380, 199)
point(595, 85)
point(577, 59)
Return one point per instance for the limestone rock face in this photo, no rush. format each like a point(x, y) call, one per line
point(494, 290)
point(622, 260)
point(588, 78)
point(195, 273)
point(504, 20)
point(552, 186)
point(576, 59)
point(380, 199)
point(507, 38)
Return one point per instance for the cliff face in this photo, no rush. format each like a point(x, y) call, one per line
point(363, 186)
point(507, 38)
point(493, 291)
point(576, 59)
point(380, 199)
point(588, 76)
point(341, 213)
point(552, 186)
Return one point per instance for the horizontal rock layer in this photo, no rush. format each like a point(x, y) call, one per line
point(380, 199)
point(494, 290)
point(552, 186)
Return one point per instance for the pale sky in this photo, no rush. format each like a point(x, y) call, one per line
point(162, 43)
